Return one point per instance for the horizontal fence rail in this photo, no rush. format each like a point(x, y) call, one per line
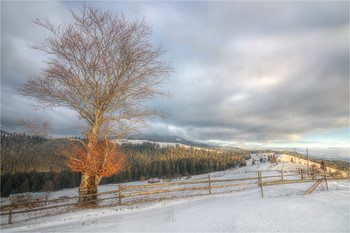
point(136, 190)
point(163, 191)
point(232, 185)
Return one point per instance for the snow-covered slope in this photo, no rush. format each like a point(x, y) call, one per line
point(160, 143)
point(283, 209)
point(141, 141)
point(165, 139)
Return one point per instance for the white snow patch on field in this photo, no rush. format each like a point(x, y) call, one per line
point(283, 209)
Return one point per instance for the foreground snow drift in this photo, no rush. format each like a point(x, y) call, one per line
point(283, 209)
point(279, 211)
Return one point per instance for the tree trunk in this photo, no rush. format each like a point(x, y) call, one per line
point(88, 186)
point(89, 183)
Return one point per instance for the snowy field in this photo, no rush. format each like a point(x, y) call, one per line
point(283, 209)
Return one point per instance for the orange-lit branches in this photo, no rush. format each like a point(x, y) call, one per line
point(105, 160)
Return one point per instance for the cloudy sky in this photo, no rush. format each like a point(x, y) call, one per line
point(267, 73)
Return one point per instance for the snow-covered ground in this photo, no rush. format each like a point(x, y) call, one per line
point(283, 209)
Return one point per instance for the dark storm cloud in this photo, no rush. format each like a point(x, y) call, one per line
point(261, 72)
point(245, 71)
point(19, 62)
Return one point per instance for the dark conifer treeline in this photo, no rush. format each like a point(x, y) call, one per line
point(38, 181)
point(149, 160)
point(21, 153)
point(32, 163)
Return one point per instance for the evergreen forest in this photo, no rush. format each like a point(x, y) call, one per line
point(33, 163)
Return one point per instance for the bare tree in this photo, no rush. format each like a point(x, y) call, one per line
point(105, 68)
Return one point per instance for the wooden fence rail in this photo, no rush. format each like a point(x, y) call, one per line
point(277, 182)
point(60, 199)
point(120, 193)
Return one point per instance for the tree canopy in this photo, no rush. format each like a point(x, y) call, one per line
point(106, 68)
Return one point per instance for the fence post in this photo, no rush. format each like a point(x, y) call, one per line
point(282, 174)
point(260, 183)
point(120, 193)
point(29, 200)
point(325, 178)
point(10, 214)
point(209, 185)
point(302, 173)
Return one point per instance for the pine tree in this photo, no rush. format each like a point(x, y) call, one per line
point(6, 190)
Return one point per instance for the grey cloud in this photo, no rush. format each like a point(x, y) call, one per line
point(16, 108)
point(311, 95)
point(245, 71)
point(19, 62)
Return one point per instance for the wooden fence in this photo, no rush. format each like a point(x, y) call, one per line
point(129, 191)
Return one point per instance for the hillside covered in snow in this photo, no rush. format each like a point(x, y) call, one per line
point(283, 209)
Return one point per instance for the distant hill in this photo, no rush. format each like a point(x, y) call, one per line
point(229, 149)
point(168, 138)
